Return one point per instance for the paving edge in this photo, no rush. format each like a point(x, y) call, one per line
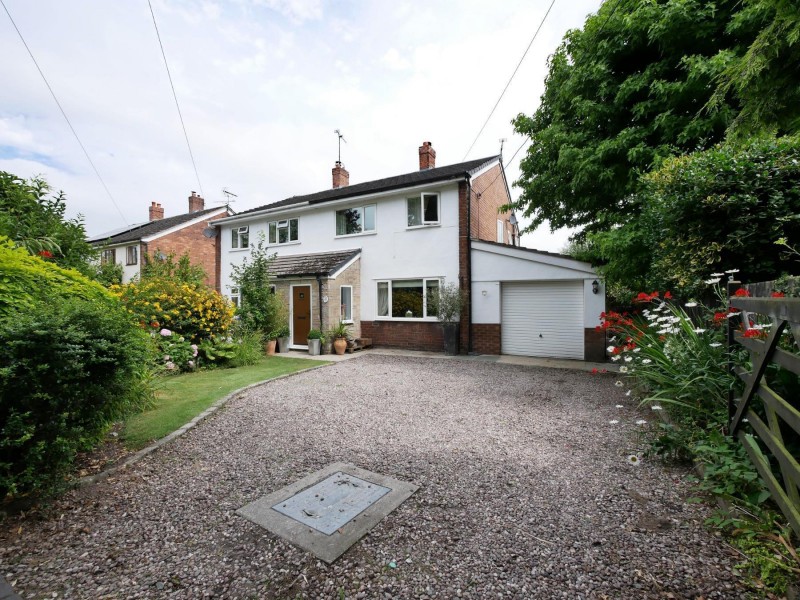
point(133, 459)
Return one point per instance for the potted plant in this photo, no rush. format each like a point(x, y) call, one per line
point(447, 305)
point(340, 336)
point(315, 338)
point(327, 342)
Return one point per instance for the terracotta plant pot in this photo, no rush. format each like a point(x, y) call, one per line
point(339, 345)
point(269, 347)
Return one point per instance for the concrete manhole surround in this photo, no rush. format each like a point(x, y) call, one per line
point(329, 510)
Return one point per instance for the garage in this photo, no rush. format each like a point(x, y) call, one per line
point(527, 302)
point(542, 319)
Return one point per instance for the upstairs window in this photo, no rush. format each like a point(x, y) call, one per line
point(132, 255)
point(423, 210)
point(352, 221)
point(240, 237)
point(108, 256)
point(284, 232)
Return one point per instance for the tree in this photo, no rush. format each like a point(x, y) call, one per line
point(34, 219)
point(260, 308)
point(764, 79)
point(160, 266)
point(622, 94)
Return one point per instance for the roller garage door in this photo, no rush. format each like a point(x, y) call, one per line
point(544, 318)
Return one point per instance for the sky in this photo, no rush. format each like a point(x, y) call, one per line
point(262, 85)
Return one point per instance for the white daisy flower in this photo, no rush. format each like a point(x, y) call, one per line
point(610, 349)
point(646, 361)
point(628, 393)
point(731, 271)
point(623, 369)
point(699, 330)
point(715, 344)
point(690, 304)
point(618, 383)
point(712, 281)
point(616, 358)
point(656, 407)
point(637, 349)
point(620, 406)
point(613, 422)
point(718, 274)
point(641, 422)
point(628, 358)
point(633, 460)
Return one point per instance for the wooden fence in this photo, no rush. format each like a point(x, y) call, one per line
point(766, 443)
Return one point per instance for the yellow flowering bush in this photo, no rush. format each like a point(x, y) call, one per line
point(195, 311)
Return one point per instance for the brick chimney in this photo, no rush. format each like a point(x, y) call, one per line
point(427, 156)
point(341, 178)
point(156, 212)
point(196, 203)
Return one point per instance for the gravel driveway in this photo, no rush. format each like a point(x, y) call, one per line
point(525, 492)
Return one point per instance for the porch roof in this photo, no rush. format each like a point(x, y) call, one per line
point(304, 265)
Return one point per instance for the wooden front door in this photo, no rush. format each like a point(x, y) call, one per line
point(301, 314)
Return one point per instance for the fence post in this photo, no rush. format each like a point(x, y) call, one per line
point(733, 323)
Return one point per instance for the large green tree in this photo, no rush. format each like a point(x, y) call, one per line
point(34, 218)
point(622, 94)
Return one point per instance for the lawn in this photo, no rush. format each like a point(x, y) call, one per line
point(181, 398)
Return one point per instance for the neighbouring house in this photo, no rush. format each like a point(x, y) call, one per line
point(187, 233)
point(371, 253)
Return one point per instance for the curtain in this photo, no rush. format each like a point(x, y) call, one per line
point(383, 299)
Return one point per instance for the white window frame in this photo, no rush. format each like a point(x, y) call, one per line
point(421, 199)
point(283, 224)
point(236, 297)
point(425, 281)
point(236, 237)
point(364, 230)
point(131, 250)
point(342, 313)
point(106, 254)
point(501, 231)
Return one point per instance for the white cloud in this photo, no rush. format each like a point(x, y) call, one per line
point(395, 61)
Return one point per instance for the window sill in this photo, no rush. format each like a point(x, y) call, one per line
point(409, 320)
point(131, 264)
point(279, 245)
point(424, 226)
point(348, 322)
point(238, 249)
point(352, 235)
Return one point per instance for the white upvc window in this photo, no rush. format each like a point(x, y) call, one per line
point(356, 220)
point(240, 237)
point(346, 303)
point(235, 297)
point(501, 231)
point(108, 256)
point(284, 232)
point(407, 298)
point(132, 255)
point(423, 210)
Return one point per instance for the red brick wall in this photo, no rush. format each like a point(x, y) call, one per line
point(202, 250)
point(486, 338)
point(489, 193)
point(413, 335)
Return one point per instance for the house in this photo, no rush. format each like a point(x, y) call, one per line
point(371, 253)
point(187, 233)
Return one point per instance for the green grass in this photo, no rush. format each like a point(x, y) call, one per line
point(181, 398)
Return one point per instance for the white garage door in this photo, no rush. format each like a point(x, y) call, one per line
point(543, 319)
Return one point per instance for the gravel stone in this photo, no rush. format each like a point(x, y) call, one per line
point(525, 492)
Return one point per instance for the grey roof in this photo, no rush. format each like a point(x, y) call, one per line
point(143, 230)
point(321, 263)
point(447, 173)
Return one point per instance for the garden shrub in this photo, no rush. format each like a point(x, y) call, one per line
point(68, 368)
point(193, 311)
point(27, 279)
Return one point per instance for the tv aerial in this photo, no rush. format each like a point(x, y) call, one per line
point(341, 139)
point(228, 196)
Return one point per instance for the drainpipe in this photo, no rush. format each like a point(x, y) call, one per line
point(319, 296)
point(469, 262)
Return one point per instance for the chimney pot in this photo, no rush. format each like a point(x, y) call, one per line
point(427, 156)
point(196, 203)
point(156, 211)
point(341, 178)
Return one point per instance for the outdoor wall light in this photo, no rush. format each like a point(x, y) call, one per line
point(484, 292)
point(595, 287)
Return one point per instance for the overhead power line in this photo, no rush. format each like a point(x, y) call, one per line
point(524, 54)
point(174, 95)
point(64, 114)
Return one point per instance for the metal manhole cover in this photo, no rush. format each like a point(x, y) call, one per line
point(330, 510)
point(330, 504)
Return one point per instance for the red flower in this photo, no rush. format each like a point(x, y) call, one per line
point(778, 295)
point(755, 333)
point(594, 371)
point(668, 295)
point(741, 293)
point(45, 254)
